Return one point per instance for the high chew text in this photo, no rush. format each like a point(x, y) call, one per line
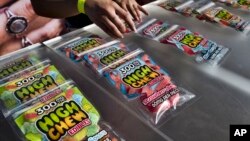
point(86, 45)
point(38, 87)
point(15, 68)
point(66, 118)
point(110, 58)
point(141, 77)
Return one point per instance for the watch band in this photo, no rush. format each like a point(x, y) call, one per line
point(8, 13)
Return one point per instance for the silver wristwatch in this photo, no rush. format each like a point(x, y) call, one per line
point(15, 24)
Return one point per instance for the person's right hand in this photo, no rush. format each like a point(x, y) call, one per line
point(107, 15)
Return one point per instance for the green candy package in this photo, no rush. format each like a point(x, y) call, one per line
point(67, 116)
point(25, 71)
point(10, 67)
point(29, 86)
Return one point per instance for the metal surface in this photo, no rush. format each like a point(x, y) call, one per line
point(223, 91)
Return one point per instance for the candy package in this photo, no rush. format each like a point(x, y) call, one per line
point(102, 56)
point(67, 116)
point(138, 76)
point(152, 28)
point(25, 71)
point(128, 29)
point(11, 66)
point(194, 44)
point(75, 47)
point(29, 86)
point(242, 4)
point(222, 16)
point(175, 5)
point(191, 9)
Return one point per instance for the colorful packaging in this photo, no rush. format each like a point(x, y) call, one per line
point(24, 72)
point(139, 76)
point(128, 29)
point(17, 65)
point(21, 90)
point(243, 4)
point(193, 43)
point(87, 42)
point(106, 54)
point(68, 116)
point(223, 16)
point(191, 9)
point(153, 28)
point(175, 5)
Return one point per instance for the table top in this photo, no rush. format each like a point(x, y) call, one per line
point(222, 92)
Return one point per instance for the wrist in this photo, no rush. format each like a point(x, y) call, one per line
point(4, 36)
point(81, 6)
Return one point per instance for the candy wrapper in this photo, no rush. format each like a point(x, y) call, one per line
point(175, 5)
point(242, 4)
point(224, 17)
point(35, 83)
point(152, 28)
point(128, 29)
point(191, 9)
point(68, 116)
point(102, 56)
point(195, 44)
point(24, 71)
point(138, 76)
point(86, 42)
point(10, 67)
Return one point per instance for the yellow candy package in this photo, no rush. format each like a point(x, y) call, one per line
point(68, 116)
point(13, 66)
point(19, 91)
point(25, 71)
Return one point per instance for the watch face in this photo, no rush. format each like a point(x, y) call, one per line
point(16, 25)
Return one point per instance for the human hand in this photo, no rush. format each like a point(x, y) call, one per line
point(49, 30)
point(108, 16)
point(39, 29)
point(133, 8)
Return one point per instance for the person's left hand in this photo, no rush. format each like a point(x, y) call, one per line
point(133, 8)
point(39, 29)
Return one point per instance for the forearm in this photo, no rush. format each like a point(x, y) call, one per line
point(55, 8)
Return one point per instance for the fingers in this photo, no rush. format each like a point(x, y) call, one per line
point(112, 27)
point(124, 6)
point(124, 15)
point(106, 30)
point(50, 30)
point(116, 21)
point(134, 12)
point(133, 8)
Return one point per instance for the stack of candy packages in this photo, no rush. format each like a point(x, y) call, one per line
point(138, 78)
point(42, 105)
point(192, 43)
point(207, 10)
